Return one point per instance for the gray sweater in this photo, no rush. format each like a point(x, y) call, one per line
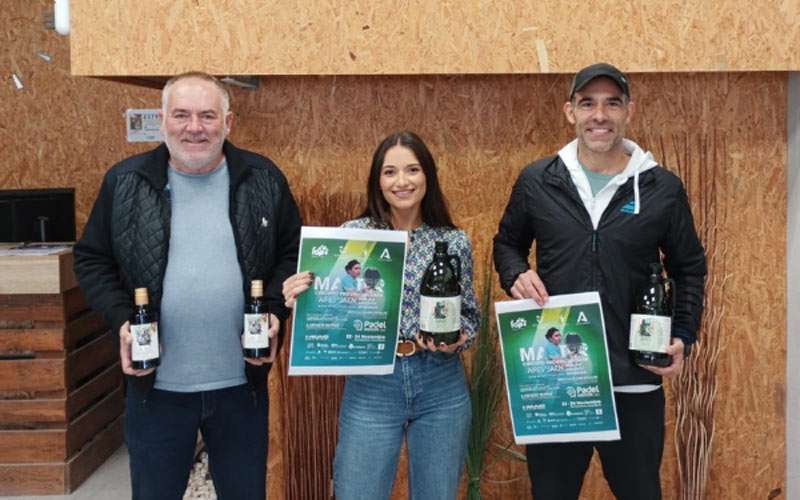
point(202, 303)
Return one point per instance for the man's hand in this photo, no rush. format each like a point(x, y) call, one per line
point(430, 345)
point(675, 349)
point(125, 341)
point(274, 326)
point(529, 286)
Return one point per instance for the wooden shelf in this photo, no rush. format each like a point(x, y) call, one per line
point(37, 274)
point(61, 395)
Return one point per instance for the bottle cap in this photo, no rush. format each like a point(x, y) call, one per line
point(140, 297)
point(256, 288)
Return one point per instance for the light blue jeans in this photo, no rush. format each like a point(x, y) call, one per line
point(426, 401)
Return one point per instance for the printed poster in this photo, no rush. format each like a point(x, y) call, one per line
point(143, 125)
point(557, 372)
point(348, 322)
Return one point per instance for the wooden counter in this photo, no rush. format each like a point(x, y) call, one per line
point(60, 382)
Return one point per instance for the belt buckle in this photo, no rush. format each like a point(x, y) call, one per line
point(406, 348)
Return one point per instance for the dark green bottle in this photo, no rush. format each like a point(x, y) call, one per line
point(255, 341)
point(651, 324)
point(440, 298)
point(145, 350)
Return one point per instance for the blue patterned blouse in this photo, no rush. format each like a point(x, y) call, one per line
point(418, 256)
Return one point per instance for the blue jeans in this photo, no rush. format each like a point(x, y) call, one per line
point(426, 401)
point(161, 433)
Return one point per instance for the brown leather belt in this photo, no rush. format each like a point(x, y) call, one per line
point(406, 348)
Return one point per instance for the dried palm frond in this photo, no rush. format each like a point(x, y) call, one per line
point(486, 391)
point(311, 404)
point(699, 164)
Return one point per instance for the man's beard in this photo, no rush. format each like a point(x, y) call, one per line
point(193, 162)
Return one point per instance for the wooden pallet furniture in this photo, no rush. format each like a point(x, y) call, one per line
point(61, 398)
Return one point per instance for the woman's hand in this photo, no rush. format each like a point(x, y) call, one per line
point(295, 285)
point(430, 345)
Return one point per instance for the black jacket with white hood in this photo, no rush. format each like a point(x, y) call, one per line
point(605, 242)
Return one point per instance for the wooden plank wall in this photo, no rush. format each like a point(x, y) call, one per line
point(364, 37)
point(66, 131)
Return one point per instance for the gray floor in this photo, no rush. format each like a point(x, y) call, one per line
point(111, 481)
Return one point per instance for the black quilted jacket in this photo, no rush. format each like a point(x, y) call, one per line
point(125, 242)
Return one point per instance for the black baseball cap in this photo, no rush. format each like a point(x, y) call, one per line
point(589, 73)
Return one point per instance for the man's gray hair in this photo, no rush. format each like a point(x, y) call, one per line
point(224, 93)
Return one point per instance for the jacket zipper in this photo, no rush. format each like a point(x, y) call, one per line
point(166, 199)
point(569, 189)
point(596, 259)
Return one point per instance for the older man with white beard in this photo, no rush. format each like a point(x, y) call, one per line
point(194, 221)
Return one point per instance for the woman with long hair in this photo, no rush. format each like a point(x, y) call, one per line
point(425, 400)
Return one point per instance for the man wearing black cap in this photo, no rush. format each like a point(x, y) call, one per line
point(600, 212)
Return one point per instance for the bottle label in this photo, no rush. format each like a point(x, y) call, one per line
point(440, 314)
point(145, 341)
point(256, 331)
point(650, 332)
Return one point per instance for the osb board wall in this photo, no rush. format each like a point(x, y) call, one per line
point(364, 37)
point(65, 131)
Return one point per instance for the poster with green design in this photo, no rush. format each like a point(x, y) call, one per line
point(347, 323)
point(558, 376)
